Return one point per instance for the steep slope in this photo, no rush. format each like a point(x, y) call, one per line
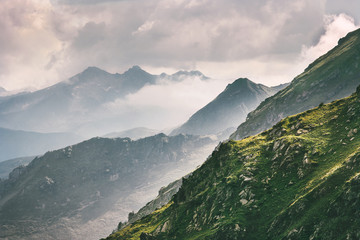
point(333, 76)
point(228, 109)
point(14, 143)
point(164, 196)
point(298, 180)
point(85, 189)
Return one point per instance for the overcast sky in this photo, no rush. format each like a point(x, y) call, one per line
point(268, 41)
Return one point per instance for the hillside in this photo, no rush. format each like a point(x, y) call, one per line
point(86, 189)
point(297, 180)
point(228, 109)
point(333, 76)
point(164, 196)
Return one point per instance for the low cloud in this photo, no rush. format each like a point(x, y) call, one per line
point(167, 104)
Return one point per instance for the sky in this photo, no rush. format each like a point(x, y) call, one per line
point(268, 41)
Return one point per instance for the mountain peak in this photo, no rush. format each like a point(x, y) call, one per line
point(89, 73)
point(227, 110)
point(134, 68)
point(86, 75)
point(136, 71)
point(92, 69)
point(241, 81)
point(240, 84)
point(135, 78)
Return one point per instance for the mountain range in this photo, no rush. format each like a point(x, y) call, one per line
point(228, 109)
point(87, 188)
point(297, 179)
point(79, 103)
point(50, 191)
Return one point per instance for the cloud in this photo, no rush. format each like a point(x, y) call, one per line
point(45, 41)
point(167, 104)
point(90, 35)
point(86, 2)
point(147, 26)
point(336, 27)
point(24, 43)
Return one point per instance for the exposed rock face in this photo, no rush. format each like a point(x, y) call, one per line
point(85, 189)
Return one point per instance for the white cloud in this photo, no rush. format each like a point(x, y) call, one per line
point(167, 104)
point(24, 41)
point(336, 27)
point(147, 26)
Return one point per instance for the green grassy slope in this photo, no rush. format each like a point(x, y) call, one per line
point(333, 76)
point(297, 180)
